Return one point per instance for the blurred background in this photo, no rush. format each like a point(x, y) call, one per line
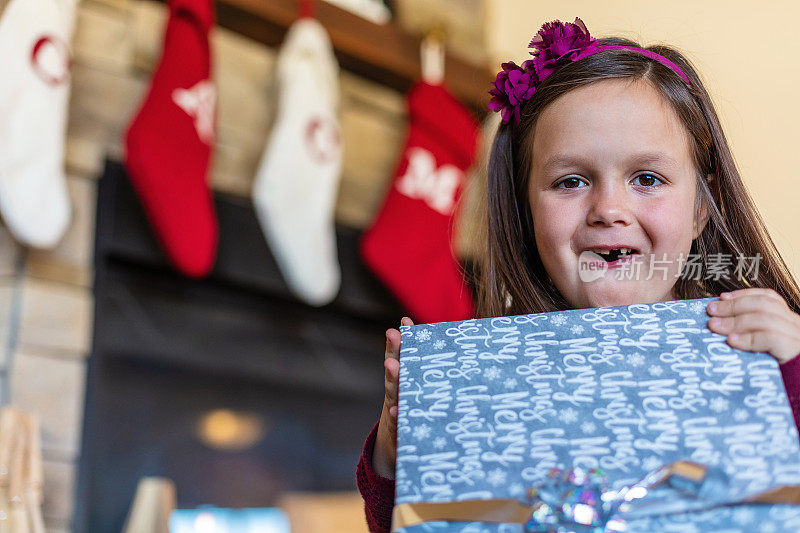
point(231, 381)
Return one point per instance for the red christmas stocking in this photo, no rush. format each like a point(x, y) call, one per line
point(409, 245)
point(170, 142)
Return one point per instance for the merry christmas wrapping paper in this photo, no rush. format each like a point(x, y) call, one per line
point(487, 407)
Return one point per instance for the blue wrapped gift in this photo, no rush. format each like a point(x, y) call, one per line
point(489, 407)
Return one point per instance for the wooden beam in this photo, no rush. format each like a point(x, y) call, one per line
point(385, 54)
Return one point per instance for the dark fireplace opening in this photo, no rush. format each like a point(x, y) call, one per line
point(169, 354)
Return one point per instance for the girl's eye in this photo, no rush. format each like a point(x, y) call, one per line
point(571, 181)
point(648, 179)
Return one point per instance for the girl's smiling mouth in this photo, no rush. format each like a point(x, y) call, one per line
point(613, 255)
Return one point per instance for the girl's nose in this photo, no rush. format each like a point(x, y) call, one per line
point(609, 204)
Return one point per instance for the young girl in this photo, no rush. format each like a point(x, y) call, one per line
point(605, 145)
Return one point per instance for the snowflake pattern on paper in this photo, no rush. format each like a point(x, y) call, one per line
point(635, 359)
point(698, 307)
point(496, 477)
point(439, 443)
point(588, 427)
point(740, 415)
point(568, 415)
point(510, 383)
point(492, 373)
point(558, 320)
point(577, 329)
point(655, 371)
point(439, 344)
point(421, 432)
point(424, 335)
point(719, 404)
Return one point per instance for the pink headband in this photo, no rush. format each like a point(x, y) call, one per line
point(555, 44)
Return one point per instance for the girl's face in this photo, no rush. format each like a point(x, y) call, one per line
point(612, 167)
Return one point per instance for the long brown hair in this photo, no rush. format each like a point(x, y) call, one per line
point(511, 277)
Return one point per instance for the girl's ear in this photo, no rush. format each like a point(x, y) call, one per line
point(702, 217)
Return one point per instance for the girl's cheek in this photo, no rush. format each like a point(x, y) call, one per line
point(546, 237)
point(550, 227)
point(669, 224)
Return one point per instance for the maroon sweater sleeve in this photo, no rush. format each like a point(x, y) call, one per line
point(377, 491)
point(790, 371)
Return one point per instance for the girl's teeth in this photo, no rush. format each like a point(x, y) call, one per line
point(622, 251)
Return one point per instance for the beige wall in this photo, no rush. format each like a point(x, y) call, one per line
point(747, 53)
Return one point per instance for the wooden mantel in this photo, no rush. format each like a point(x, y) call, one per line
point(383, 53)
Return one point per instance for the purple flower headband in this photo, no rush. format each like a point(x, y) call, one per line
point(555, 44)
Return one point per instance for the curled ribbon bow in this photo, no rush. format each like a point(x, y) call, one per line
point(580, 501)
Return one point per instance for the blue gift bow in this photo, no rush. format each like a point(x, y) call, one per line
point(580, 501)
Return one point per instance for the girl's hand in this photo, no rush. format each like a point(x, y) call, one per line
point(757, 320)
point(384, 456)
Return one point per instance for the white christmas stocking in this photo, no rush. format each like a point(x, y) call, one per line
point(34, 91)
point(295, 189)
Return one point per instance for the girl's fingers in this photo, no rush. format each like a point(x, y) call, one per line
point(759, 329)
point(391, 364)
point(385, 452)
point(392, 367)
point(751, 321)
point(754, 340)
point(391, 360)
point(743, 303)
point(727, 313)
point(392, 344)
point(781, 347)
point(753, 291)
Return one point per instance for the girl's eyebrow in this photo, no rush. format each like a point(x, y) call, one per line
point(560, 161)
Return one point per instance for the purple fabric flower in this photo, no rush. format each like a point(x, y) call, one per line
point(554, 44)
point(513, 85)
point(557, 43)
